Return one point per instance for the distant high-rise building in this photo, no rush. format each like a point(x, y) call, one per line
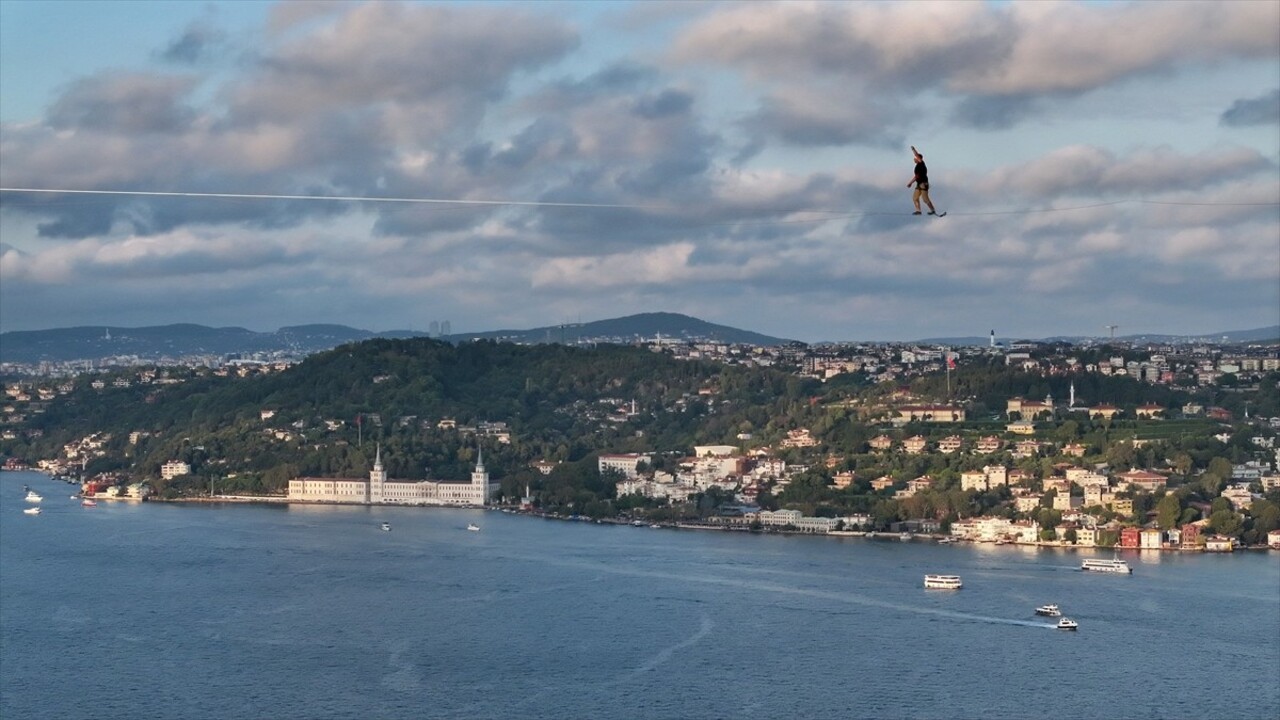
point(434, 328)
point(445, 329)
point(993, 338)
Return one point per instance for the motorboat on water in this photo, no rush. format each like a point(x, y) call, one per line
point(32, 511)
point(942, 582)
point(1067, 623)
point(946, 540)
point(904, 537)
point(89, 502)
point(1048, 610)
point(473, 527)
point(1114, 565)
point(33, 496)
point(386, 526)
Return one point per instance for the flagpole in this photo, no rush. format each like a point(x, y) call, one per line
point(946, 360)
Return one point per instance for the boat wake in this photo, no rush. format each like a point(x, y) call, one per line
point(768, 587)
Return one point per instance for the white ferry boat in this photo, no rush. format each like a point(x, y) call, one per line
point(942, 582)
point(1048, 610)
point(1114, 565)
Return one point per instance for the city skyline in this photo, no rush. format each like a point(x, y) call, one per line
point(1101, 164)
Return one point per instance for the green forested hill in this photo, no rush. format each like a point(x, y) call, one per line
point(558, 402)
point(327, 415)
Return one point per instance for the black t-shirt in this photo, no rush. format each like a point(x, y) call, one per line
point(922, 173)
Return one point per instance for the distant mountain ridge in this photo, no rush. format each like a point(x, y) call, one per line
point(93, 342)
point(1229, 337)
point(645, 326)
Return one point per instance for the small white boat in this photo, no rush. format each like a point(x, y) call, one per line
point(386, 526)
point(89, 502)
point(1048, 610)
point(33, 496)
point(473, 527)
point(32, 511)
point(904, 537)
point(946, 540)
point(942, 582)
point(1067, 623)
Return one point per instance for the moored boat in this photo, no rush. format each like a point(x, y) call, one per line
point(89, 502)
point(473, 527)
point(942, 582)
point(33, 496)
point(32, 511)
point(1114, 565)
point(1067, 623)
point(1048, 610)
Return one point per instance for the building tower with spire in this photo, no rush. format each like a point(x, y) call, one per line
point(480, 480)
point(377, 478)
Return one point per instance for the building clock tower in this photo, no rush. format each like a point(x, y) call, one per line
point(377, 478)
point(480, 481)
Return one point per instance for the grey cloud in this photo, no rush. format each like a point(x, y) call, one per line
point(665, 103)
point(1263, 110)
point(195, 44)
point(992, 113)
point(126, 104)
point(807, 127)
point(457, 58)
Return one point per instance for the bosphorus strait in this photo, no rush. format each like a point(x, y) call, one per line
point(154, 610)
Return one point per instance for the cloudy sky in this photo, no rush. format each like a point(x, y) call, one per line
point(745, 163)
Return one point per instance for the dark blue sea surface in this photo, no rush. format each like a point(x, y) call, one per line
point(155, 610)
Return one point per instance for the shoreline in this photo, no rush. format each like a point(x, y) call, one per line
point(516, 510)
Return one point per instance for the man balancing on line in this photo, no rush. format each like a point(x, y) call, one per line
point(921, 181)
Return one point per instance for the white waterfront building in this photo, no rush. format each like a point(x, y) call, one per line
point(379, 490)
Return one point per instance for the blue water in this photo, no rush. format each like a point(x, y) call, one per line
point(248, 611)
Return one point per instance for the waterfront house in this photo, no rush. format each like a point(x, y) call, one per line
point(1130, 537)
point(1190, 535)
point(1219, 543)
point(1273, 539)
point(1150, 539)
point(1086, 536)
